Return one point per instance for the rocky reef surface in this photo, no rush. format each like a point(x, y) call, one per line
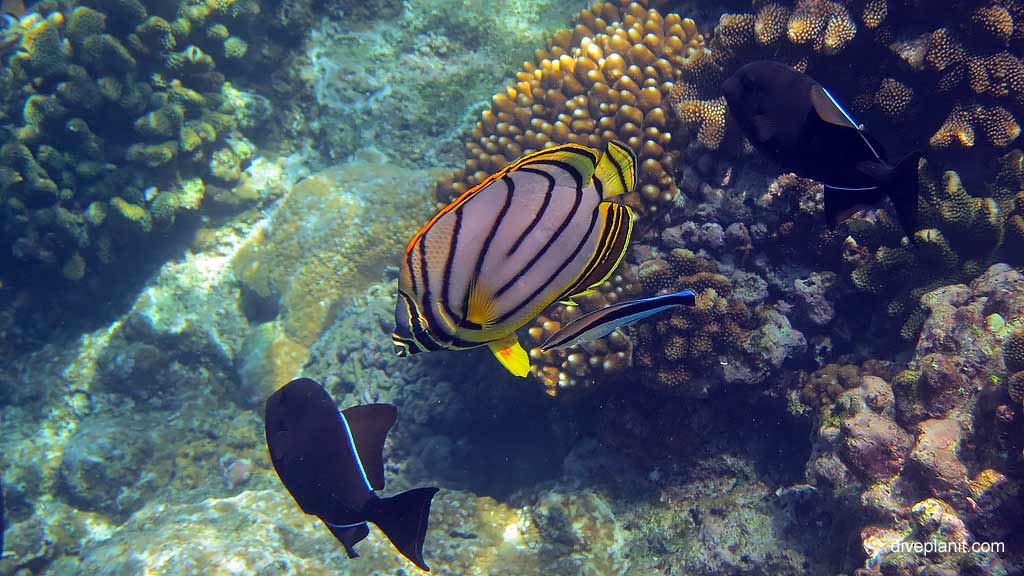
point(834, 399)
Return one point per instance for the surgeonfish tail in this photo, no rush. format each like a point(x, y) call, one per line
point(403, 519)
point(616, 170)
point(902, 191)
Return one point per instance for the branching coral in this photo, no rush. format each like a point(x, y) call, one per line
point(114, 106)
point(605, 79)
point(577, 369)
point(959, 235)
point(678, 352)
point(968, 66)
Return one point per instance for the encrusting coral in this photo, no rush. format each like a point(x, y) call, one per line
point(119, 108)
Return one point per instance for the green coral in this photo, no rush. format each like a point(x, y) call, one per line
point(959, 235)
point(235, 48)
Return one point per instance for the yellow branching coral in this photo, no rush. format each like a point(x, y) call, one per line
point(604, 79)
point(826, 25)
point(576, 370)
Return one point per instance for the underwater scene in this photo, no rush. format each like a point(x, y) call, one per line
point(511, 287)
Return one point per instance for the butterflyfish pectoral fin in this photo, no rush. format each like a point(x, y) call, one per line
point(482, 309)
point(617, 170)
point(512, 356)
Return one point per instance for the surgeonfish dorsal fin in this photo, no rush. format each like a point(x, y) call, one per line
point(510, 353)
point(616, 229)
point(580, 160)
point(369, 425)
point(829, 110)
point(617, 170)
point(482, 308)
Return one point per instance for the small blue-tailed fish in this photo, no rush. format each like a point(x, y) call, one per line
point(540, 230)
point(604, 321)
point(332, 463)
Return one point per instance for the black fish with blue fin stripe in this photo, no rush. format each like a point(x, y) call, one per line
point(604, 321)
point(332, 464)
point(794, 120)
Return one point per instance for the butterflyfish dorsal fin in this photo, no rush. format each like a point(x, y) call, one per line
point(616, 170)
point(369, 425)
point(512, 356)
point(580, 161)
point(616, 229)
point(829, 110)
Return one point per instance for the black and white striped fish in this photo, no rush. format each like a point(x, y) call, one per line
point(602, 322)
point(540, 230)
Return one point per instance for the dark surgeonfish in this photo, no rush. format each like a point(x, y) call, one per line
point(332, 464)
point(794, 120)
point(538, 231)
point(602, 322)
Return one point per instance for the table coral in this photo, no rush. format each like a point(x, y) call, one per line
point(111, 106)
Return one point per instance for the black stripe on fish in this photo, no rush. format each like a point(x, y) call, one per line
point(540, 253)
point(567, 168)
point(609, 235)
point(447, 276)
point(540, 213)
point(510, 189)
point(618, 169)
point(544, 285)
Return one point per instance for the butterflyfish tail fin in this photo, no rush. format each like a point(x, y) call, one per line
point(617, 170)
point(403, 519)
point(512, 356)
point(616, 230)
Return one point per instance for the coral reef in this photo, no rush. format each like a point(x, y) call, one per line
point(913, 455)
point(690, 351)
point(959, 235)
point(968, 68)
point(604, 79)
point(409, 76)
point(329, 239)
point(120, 120)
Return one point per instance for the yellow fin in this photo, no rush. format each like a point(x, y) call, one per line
point(482, 309)
point(510, 353)
point(617, 169)
point(583, 159)
point(608, 255)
